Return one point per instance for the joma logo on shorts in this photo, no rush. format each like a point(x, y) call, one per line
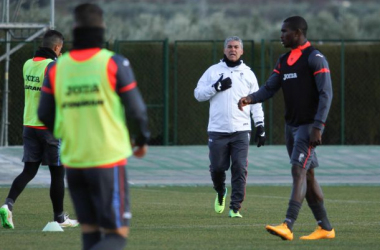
point(301, 157)
point(289, 76)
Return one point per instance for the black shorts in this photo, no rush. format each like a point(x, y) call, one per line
point(100, 196)
point(40, 146)
point(297, 144)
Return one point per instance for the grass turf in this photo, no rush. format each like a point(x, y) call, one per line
point(183, 218)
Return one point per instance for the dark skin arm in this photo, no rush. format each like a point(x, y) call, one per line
point(315, 137)
point(315, 134)
point(244, 101)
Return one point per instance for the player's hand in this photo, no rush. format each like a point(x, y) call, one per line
point(222, 85)
point(244, 101)
point(260, 136)
point(315, 137)
point(140, 151)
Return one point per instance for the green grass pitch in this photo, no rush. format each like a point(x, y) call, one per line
point(183, 218)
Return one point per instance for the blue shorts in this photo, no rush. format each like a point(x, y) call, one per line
point(100, 196)
point(40, 146)
point(297, 144)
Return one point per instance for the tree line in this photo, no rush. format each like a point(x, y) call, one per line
point(207, 19)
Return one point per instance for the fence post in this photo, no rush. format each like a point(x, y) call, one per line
point(263, 78)
point(175, 95)
point(342, 85)
point(5, 108)
point(214, 60)
point(271, 99)
point(165, 141)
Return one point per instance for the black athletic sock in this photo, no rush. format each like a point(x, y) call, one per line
point(9, 202)
point(27, 174)
point(57, 190)
point(292, 213)
point(90, 239)
point(59, 217)
point(320, 215)
point(115, 240)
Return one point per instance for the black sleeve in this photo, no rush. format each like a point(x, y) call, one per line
point(271, 86)
point(46, 107)
point(135, 108)
point(320, 67)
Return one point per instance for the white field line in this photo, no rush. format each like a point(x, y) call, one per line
point(264, 196)
point(256, 225)
point(193, 226)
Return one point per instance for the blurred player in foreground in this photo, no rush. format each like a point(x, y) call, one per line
point(39, 144)
point(304, 76)
point(85, 99)
point(229, 129)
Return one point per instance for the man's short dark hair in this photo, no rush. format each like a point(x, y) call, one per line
point(88, 15)
point(297, 22)
point(52, 38)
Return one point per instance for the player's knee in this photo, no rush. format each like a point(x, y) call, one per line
point(57, 173)
point(298, 172)
point(310, 176)
point(29, 173)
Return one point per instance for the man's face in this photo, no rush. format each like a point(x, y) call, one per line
point(58, 48)
point(288, 36)
point(233, 51)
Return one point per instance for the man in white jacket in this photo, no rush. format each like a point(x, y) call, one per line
point(229, 129)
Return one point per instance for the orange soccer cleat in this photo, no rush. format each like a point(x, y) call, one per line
point(319, 233)
point(281, 230)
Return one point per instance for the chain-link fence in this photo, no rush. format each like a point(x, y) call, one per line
point(15, 107)
point(16, 89)
point(168, 73)
point(149, 60)
point(191, 60)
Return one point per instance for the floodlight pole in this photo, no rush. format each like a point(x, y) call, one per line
point(5, 122)
point(52, 14)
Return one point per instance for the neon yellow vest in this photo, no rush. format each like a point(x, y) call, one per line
point(90, 118)
point(34, 73)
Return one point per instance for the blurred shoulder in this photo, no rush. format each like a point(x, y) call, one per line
point(121, 60)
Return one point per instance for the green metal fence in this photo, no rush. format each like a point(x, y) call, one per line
point(191, 59)
point(15, 105)
point(356, 86)
point(167, 74)
point(150, 63)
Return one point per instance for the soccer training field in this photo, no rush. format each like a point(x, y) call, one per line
point(172, 202)
point(182, 217)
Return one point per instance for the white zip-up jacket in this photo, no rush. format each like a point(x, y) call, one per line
point(225, 115)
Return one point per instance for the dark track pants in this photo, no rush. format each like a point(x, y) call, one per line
point(229, 150)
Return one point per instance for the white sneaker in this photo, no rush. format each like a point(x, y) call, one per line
point(69, 222)
point(6, 217)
